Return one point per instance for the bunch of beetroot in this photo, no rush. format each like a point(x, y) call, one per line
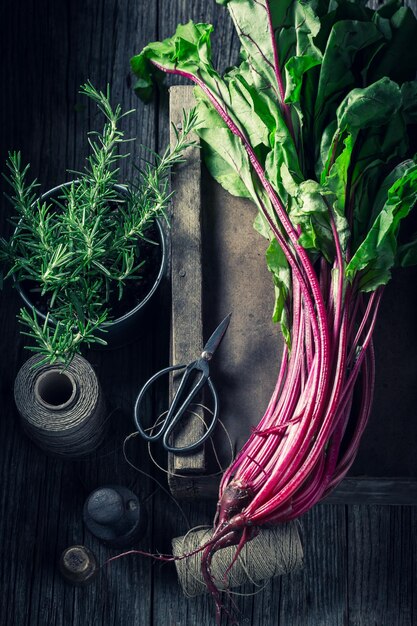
point(318, 126)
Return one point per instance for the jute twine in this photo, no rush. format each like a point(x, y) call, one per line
point(273, 552)
point(62, 409)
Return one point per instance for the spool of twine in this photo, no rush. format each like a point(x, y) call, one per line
point(61, 408)
point(273, 552)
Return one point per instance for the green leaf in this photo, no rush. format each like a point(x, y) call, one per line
point(371, 106)
point(398, 57)
point(346, 41)
point(278, 266)
point(225, 156)
point(310, 211)
point(399, 172)
point(362, 111)
point(409, 96)
point(293, 23)
point(189, 49)
point(296, 25)
point(295, 70)
point(407, 253)
point(226, 175)
point(250, 20)
point(262, 227)
point(376, 255)
point(355, 127)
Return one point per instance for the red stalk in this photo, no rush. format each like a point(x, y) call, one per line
point(292, 458)
point(284, 106)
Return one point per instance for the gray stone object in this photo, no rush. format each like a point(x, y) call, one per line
point(115, 516)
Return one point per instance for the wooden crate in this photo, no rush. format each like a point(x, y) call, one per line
point(218, 267)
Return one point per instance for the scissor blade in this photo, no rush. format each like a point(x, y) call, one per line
point(216, 338)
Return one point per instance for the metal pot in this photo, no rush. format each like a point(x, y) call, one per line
point(119, 331)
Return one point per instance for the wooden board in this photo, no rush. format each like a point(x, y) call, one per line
point(186, 272)
point(360, 565)
point(230, 261)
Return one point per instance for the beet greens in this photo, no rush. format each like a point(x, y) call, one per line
point(318, 126)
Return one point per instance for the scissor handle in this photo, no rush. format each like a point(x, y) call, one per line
point(174, 415)
point(197, 444)
point(139, 399)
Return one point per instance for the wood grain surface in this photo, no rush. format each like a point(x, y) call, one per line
point(360, 561)
point(186, 281)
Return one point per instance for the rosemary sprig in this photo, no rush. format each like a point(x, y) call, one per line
point(81, 248)
point(61, 341)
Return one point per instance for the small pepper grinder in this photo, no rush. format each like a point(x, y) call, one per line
point(115, 516)
point(78, 565)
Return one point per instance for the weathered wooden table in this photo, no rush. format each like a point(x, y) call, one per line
point(361, 561)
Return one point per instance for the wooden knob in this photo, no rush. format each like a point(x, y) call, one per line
point(78, 565)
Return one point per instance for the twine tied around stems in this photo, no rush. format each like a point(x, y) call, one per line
point(273, 552)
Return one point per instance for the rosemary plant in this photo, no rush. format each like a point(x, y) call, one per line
point(81, 248)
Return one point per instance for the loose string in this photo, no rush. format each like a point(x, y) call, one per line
point(215, 453)
point(166, 471)
point(152, 478)
point(130, 437)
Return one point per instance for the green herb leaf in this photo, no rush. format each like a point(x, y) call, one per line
point(80, 248)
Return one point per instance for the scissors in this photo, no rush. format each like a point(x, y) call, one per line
point(180, 404)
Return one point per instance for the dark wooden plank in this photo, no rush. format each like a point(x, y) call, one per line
point(316, 595)
point(392, 491)
point(392, 425)
point(186, 280)
point(237, 281)
point(381, 565)
point(48, 50)
point(413, 573)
